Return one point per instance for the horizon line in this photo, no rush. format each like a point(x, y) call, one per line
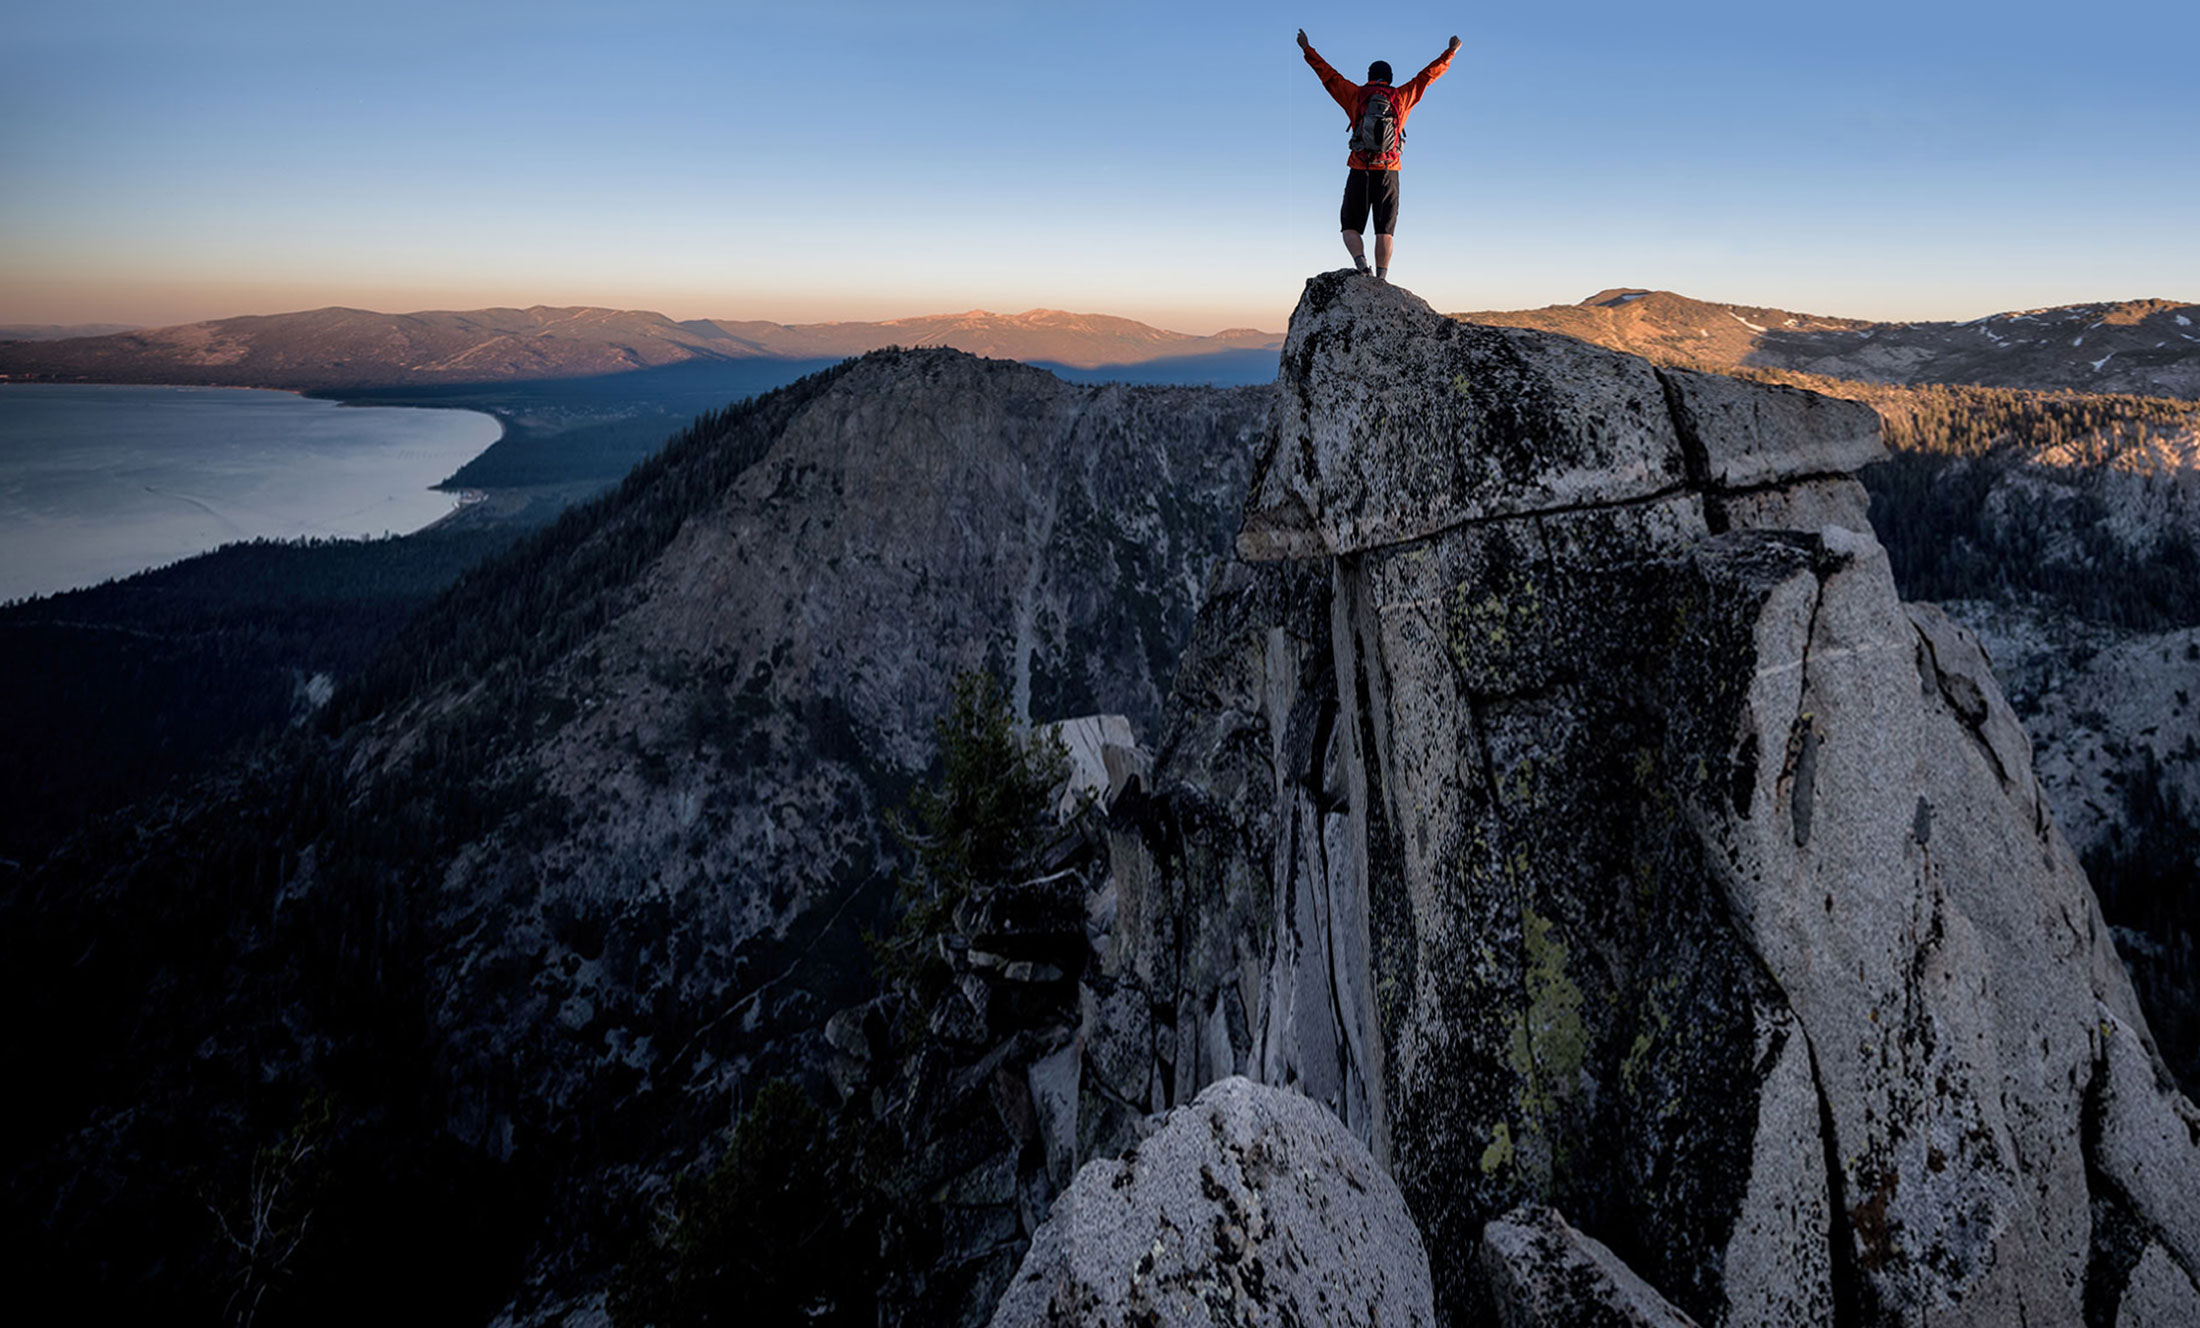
point(119, 327)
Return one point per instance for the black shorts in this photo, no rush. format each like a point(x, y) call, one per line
point(1370, 189)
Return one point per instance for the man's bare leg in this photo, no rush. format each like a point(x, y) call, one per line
point(1383, 246)
point(1354, 246)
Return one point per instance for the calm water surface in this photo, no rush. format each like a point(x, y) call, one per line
point(99, 482)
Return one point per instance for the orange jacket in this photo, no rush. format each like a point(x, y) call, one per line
point(1350, 94)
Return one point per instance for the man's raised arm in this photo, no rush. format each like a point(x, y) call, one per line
point(1413, 90)
point(1343, 89)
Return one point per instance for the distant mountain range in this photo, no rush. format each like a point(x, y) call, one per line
point(59, 331)
point(2147, 347)
point(356, 348)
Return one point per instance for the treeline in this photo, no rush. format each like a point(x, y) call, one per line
point(110, 693)
point(248, 1120)
point(1969, 421)
point(590, 449)
point(1959, 520)
point(1954, 530)
point(2144, 871)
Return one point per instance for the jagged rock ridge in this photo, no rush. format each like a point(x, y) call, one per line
point(1560, 793)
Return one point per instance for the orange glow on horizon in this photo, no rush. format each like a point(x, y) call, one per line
point(170, 303)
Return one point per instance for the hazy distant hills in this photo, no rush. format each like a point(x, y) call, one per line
point(59, 331)
point(1084, 341)
point(355, 348)
point(2143, 347)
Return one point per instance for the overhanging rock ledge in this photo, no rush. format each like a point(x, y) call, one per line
point(1558, 792)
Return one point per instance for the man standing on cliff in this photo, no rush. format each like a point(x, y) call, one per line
point(1378, 112)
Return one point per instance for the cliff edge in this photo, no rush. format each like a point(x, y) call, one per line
point(1558, 791)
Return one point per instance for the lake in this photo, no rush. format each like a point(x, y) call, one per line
point(99, 481)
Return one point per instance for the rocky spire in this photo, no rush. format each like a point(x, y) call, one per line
point(1559, 792)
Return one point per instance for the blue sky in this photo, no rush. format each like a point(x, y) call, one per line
point(1170, 162)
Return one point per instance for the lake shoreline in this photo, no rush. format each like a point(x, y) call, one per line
point(336, 395)
point(100, 481)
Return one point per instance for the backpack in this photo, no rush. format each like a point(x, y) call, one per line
point(1375, 133)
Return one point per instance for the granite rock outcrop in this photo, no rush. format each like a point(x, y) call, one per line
point(1544, 1274)
point(1249, 1206)
point(1558, 791)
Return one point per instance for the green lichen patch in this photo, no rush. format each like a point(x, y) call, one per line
point(1556, 1037)
point(1499, 1154)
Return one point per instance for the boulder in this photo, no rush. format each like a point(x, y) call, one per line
point(1250, 1206)
point(2148, 1146)
point(2159, 1292)
point(1545, 1274)
point(1533, 422)
point(1104, 759)
point(1751, 434)
point(1394, 423)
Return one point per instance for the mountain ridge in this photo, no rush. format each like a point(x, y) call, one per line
point(687, 708)
point(60, 331)
point(337, 347)
point(2144, 347)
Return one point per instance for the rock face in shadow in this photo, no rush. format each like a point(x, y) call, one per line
point(1250, 1206)
point(1542, 1271)
point(728, 739)
point(1559, 793)
point(593, 862)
